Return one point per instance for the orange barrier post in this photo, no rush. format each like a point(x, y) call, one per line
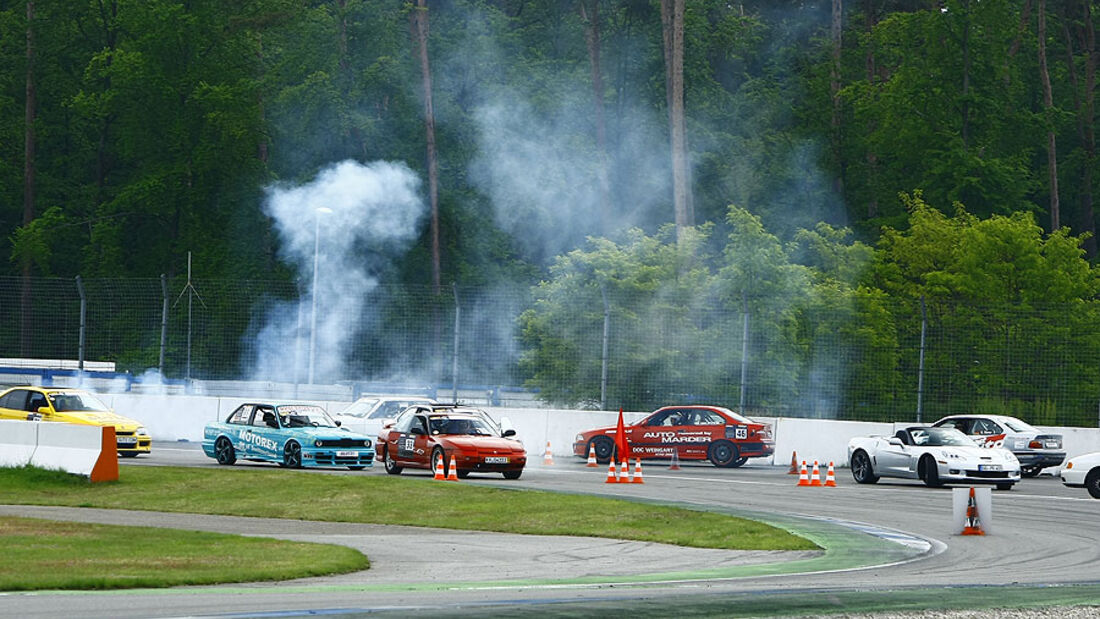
point(815, 478)
point(803, 478)
point(106, 465)
point(547, 458)
point(592, 457)
point(794, 464)
point(830, 476)
point(439, 468)
point(611, 478)
point(637, 472)
point(624, 473)
point(452, 473)
point(675, 466)
point(973, 523)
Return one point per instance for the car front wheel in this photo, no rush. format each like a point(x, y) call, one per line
point(292, 455)
point(604, 448)
point(223, 451)
point(929, 473)
point(1092, 483)
point(391, 467)
point(512, 474)
point(862, 471)
point(1005, 486)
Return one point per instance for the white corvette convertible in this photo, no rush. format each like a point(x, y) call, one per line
point(936, 456)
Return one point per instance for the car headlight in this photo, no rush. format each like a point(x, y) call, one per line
point(141, 432)
point(951, 455)
point(366, 443)
point(580, 437)
point(1011, 457)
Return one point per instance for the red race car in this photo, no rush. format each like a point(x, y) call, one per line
point(425, 432)
point(692, 432)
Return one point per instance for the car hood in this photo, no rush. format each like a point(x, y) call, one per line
point(98, 418)
point(976, 454)
point(328, 433)
point(485, 442)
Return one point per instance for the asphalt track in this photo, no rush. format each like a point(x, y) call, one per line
point(890, 545)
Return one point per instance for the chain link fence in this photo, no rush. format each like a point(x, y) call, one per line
point(895, 360)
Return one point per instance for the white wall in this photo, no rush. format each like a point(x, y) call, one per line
point(171, 418)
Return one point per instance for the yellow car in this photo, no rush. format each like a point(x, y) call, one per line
point(74, 406)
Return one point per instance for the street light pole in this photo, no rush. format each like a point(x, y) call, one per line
point(313, 300)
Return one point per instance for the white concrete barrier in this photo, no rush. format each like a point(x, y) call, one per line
point(174, 418)
point(78, 449)
point(18, 440)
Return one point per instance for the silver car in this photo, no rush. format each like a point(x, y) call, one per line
point(936, 456)
point(1034, 448)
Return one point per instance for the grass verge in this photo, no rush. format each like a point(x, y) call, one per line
point(274, 493)
point(41, 554)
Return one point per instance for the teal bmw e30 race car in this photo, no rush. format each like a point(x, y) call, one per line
point(292, 435)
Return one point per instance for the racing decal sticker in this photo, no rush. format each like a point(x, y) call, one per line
point(996, 440)
point(406, 445)
point(737, 432)
point(256, 440)
point(672, 436)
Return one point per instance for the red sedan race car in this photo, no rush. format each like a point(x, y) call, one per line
point(424, 433)
point(692, 432)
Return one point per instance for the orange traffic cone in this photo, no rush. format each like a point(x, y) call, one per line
point(815, 477)
point(439, 468)
point(611, 478)
point(973, 523)
point(803, 478)
point(675, 466)
point(547, 458)
point(592, 457)
point(830, 476)
point(624, 473)
point(637, 472)
point(794, 464)
point(452, 470)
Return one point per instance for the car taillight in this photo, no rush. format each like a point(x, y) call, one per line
point(1035, 445)
point(1069, 465)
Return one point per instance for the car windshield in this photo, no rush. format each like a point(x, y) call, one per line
point(474, 426)
point(939, 437)
point(360, 407)
point(70, 401)
point(302, 415)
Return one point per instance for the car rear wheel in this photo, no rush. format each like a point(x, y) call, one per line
point(512, 474)
point(292, 455)
point(223, 451)
point(724, 454)
point(862, 471)
point(1030, 471)
point(739, 462)
point(391, 467)
point(1005, 486)
point(1092, 483)
point(604, 447)
point(929, 473)
point(462, 474)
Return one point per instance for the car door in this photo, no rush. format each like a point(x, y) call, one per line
point(895, 460)
point(14, 405)
point(655, 436)
point(409, 440)
point(696, 430)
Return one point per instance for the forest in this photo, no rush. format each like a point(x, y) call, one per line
point(859, 209)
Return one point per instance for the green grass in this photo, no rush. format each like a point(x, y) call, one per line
point(274, 493)
point(40, 554)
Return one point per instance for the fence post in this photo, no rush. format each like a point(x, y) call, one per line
point(83, 314)
point(606, 337)
point(163, 321)
point(744, 348)
point(454, 360)
point(920, 364)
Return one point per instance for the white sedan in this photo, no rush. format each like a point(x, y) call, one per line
point(1083, 471)
point(936, 456)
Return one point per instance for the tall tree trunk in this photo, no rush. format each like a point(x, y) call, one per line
point(25, 328)
point(1084, 103)
point(835, 32)
point(1048, 106)
point(672, 21)
point(591, 18)
point(420, 17)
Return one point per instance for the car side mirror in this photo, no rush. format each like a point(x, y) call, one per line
point(508, 432)
point(43, 410)
point(895, 441)
point(416, 430)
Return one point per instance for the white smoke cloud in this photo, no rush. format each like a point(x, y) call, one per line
point(347, 218)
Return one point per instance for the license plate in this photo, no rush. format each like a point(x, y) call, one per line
point(989, 467)
point(496, 460)
point(127, 440)
point(347, 454)
point(1052, 445)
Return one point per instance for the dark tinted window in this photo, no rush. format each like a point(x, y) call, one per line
point(14, 400)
